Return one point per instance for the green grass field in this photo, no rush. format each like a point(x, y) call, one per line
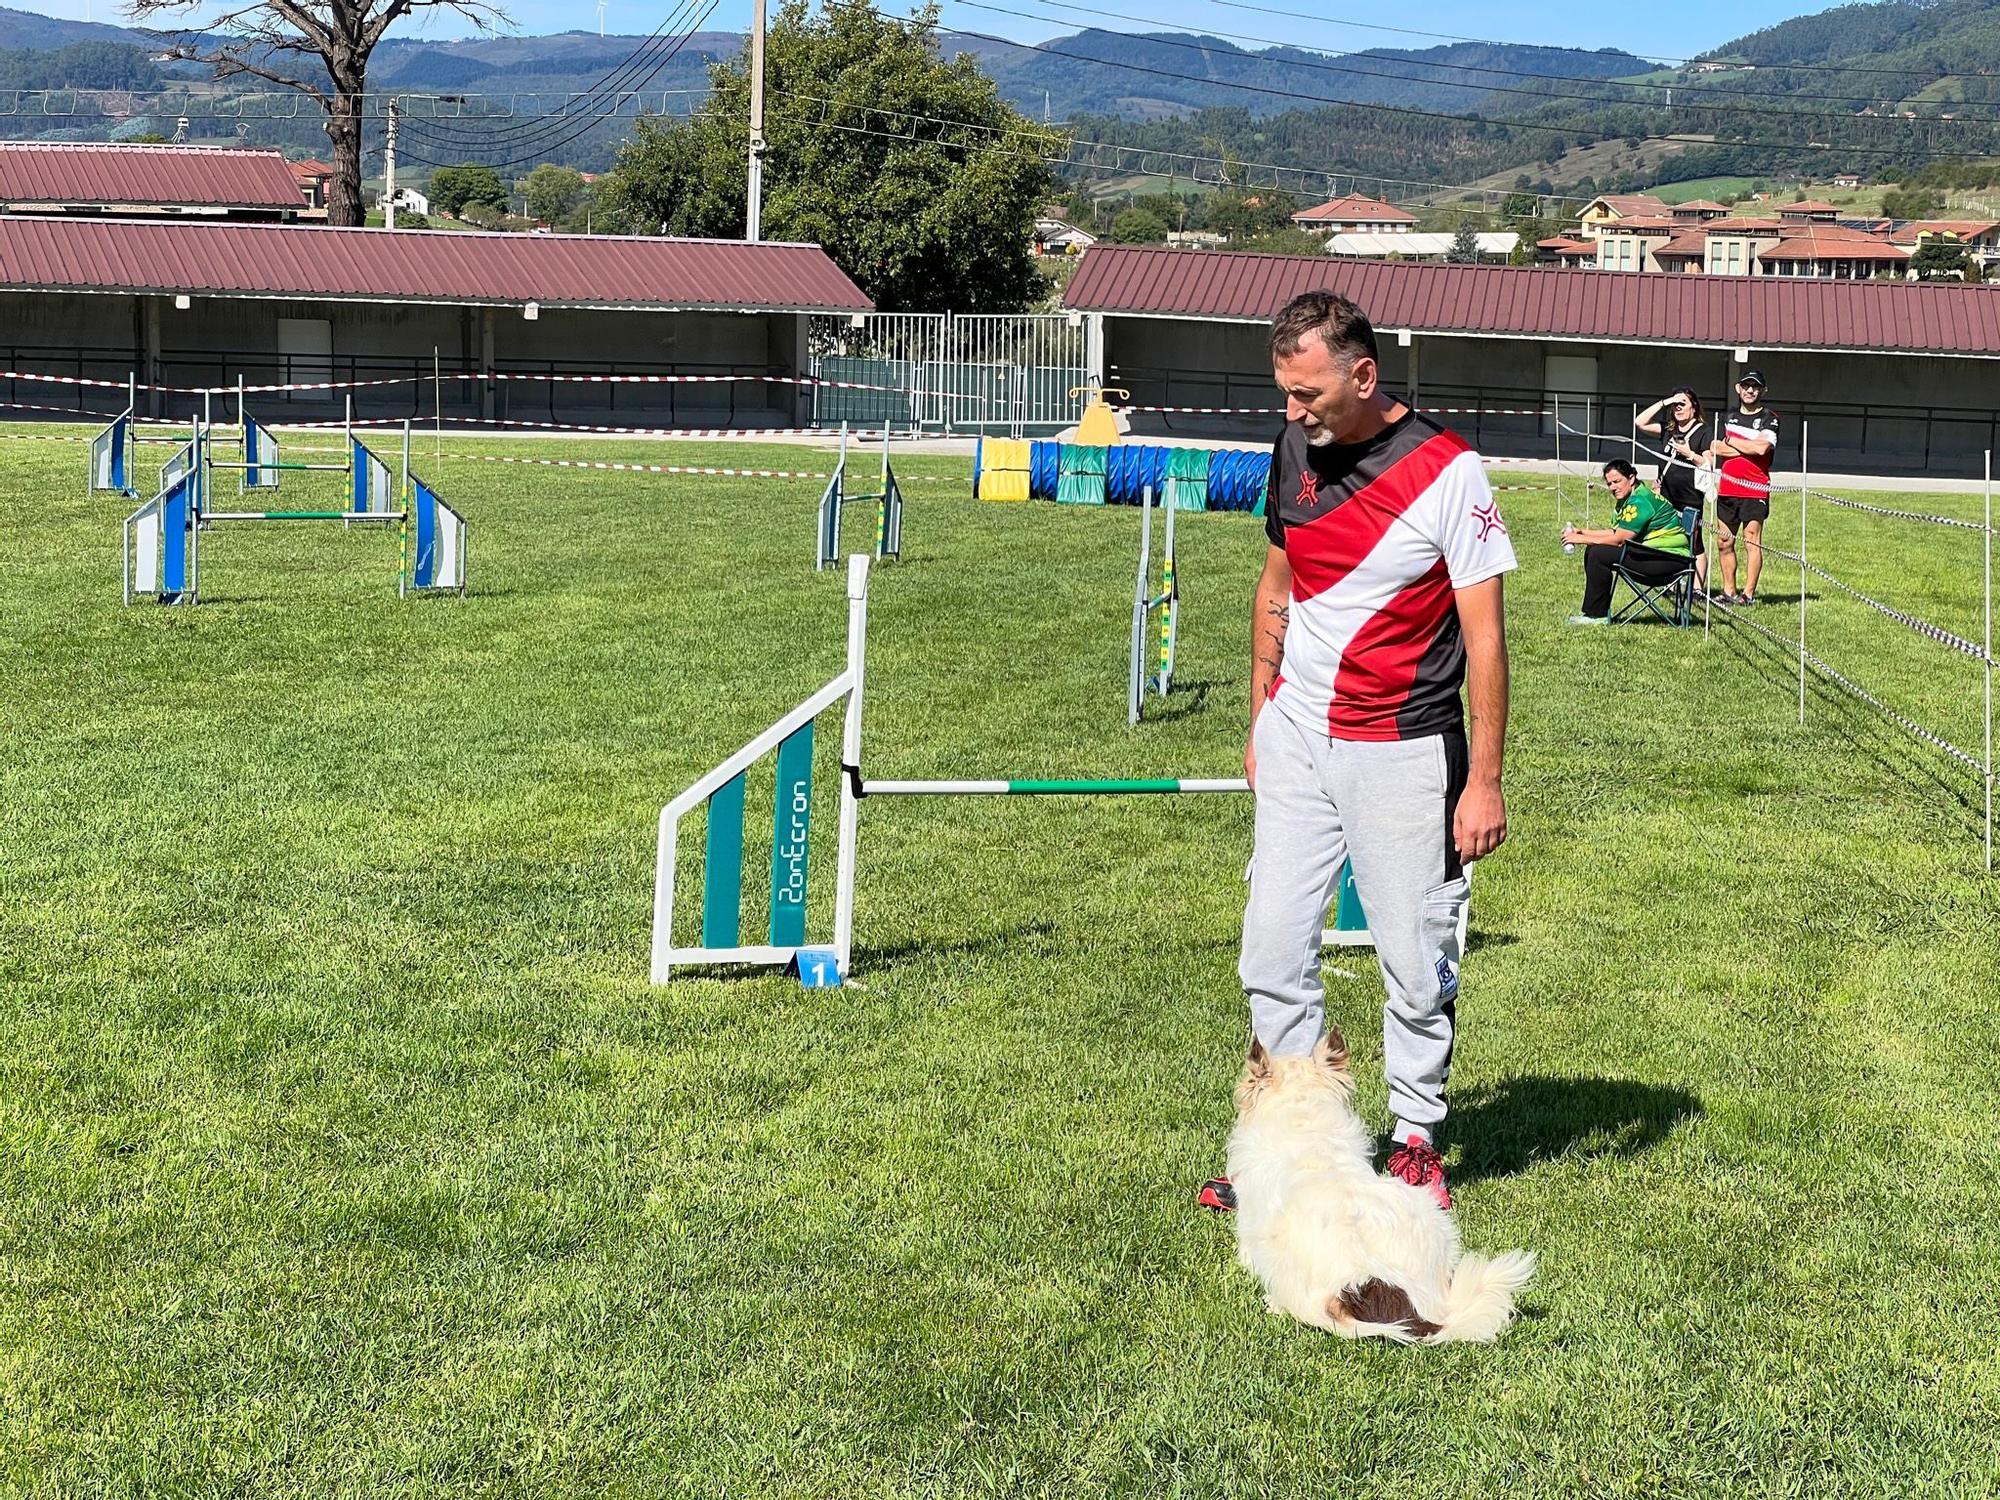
point(345, 1150)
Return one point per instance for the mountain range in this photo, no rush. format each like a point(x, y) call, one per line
point(1472, 107)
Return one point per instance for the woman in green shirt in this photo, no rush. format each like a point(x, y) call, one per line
point(1648, 536)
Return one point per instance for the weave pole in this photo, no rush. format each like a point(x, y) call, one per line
point(1805, 490)
point(1986, 646)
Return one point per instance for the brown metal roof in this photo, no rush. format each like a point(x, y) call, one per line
point(416, 265)
point(1355, 207)
point(1765, 312)
point(1690, 244)
point(97, 173)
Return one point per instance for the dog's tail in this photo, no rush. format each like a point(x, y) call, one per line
point(1479, 1303)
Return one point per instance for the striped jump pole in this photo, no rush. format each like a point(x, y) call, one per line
point(722, 794)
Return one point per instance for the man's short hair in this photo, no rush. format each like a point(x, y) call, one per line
point(1339, 322)
point(1622, 466)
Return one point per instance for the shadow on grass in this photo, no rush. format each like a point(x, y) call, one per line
point(1508, 1127)
point(1479, 942)
point(991, 942)
point(1186, 700)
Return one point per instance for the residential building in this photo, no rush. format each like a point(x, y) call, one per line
point(315, 180)
point(1567, 251)
point(1058, 237)
point(1355, 214)
point(1847, 179)
point(1609, 208)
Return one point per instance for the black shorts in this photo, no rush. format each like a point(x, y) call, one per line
point(1733, 510)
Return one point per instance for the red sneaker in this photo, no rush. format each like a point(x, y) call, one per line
point(1216, 1193)
point(1417, 1163)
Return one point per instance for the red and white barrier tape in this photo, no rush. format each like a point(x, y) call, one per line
point(1278, 411)
point(467, 426)
point(460, 375)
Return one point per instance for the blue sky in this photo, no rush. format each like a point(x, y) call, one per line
point(1695, 25)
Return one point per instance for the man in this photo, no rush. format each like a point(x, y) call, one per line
point(1743, 494)
point(1658, 549)
point(1381, 593)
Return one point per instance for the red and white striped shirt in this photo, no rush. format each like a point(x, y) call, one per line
point(1379, 536)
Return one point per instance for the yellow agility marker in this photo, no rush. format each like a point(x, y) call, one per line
point(1099, 427)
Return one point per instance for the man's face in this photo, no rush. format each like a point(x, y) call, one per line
point(1619, 485)
point(1749, 393)
point(1324, 394)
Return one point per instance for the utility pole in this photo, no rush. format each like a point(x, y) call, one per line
point(754, 224)
point(389, 169)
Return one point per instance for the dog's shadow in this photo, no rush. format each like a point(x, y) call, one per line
point(1510, 1126)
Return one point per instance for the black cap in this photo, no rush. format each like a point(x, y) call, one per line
point(1751, 377)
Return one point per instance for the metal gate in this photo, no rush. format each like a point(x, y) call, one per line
point(1003, 373)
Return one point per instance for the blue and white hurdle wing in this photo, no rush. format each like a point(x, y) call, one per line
point(438, 562)
point(260, 455)
point(108, 453)
point(162, 544)
point(375, 495)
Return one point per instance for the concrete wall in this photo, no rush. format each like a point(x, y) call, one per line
point(1868, 413)
point(216, 340)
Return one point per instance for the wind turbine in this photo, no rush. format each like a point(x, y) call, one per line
point(600, 17)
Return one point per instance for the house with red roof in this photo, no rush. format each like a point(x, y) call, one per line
point(1355, 213)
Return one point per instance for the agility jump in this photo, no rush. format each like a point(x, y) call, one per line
point(888, 498)
point(163, 537)
point(721, 791)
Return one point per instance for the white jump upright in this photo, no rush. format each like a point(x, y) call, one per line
point(1159, 680)
point(721, 791)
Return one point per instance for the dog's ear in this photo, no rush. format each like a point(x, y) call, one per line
point(1260, 1060)
point(1330, 1051)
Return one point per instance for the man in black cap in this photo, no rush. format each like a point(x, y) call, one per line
point(1743, 496)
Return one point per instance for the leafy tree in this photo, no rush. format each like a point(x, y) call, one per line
point(1912, 203)
point(269, 38)
point(1138, 226)
point(484, 215)
point(452, 188)
point(1464, 249)
point(552, 192)
point(1938, 260)
point(919, 181)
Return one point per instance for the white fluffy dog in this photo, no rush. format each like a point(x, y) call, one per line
point(1335, 1244)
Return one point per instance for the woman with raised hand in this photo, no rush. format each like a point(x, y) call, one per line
point(1677, 420)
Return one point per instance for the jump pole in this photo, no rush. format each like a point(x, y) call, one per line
point(722, 791)
point(1986, 642)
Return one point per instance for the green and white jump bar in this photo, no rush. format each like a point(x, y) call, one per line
point(721, 792)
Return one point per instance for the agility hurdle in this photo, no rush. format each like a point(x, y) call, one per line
point(721, 792)
point(888, 498)
point(1145, 602)
point(162, 537)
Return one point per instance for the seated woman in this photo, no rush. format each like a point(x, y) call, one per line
point(1648, 535)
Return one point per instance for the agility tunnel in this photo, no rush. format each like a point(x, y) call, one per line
point(1083, 474)
point(721, 795)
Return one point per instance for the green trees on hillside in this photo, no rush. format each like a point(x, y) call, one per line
point(452, 188)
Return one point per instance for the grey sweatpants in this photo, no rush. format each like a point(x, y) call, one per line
point(1386, 806)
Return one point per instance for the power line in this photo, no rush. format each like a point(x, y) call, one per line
point(614, 80)
point(546, 147)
